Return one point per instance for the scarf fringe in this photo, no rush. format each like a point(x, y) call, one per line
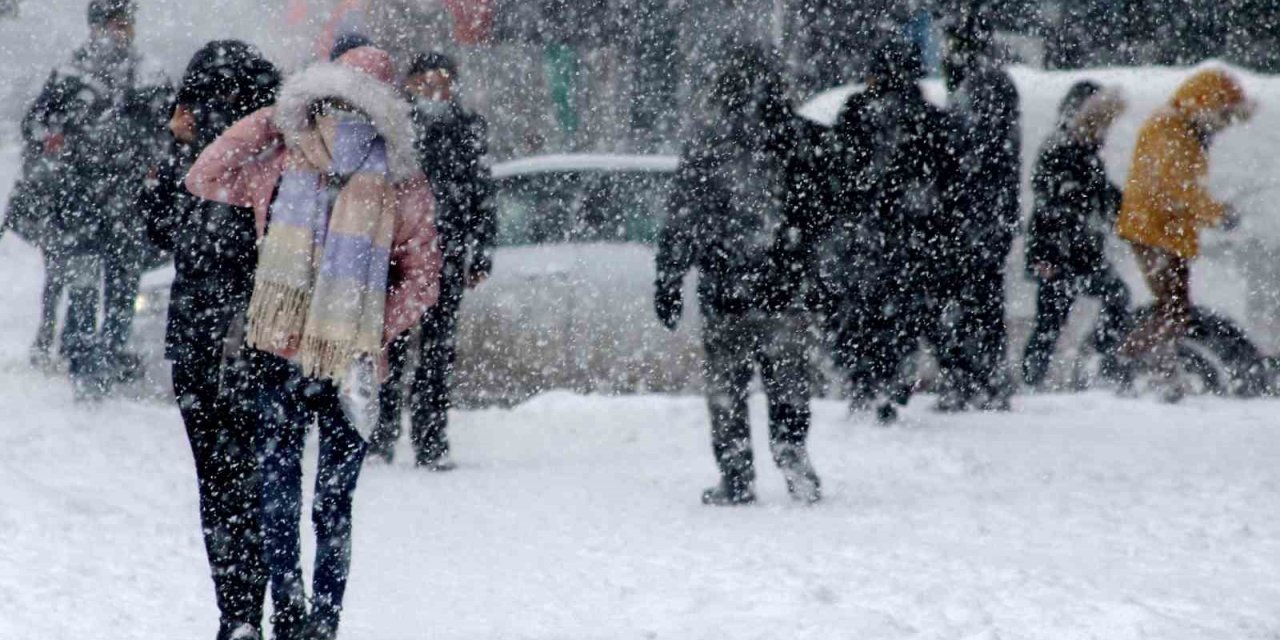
point(331, 359)
point(277, 315)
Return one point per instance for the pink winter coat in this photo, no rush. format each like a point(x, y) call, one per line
point(243, 166)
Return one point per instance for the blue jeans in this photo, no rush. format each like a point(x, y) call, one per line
point(288, 404)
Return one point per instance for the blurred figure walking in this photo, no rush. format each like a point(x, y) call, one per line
point(1076, 206)
point(1166, 205)
point(215, 253)
point(451, 145)
point(729, 217)
point(348, 262)
point(101, 118)
point(985, 211)
point(892, 155)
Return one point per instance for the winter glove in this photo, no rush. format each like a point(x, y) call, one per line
point(669, 303)
point(1231, 221)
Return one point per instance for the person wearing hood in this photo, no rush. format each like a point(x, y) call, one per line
point(891, 152)
point(451, 147)
point(98, 121)
point(984, 211)
point(348, 262)
point(1166, 205)
point(214, 250)
point(729, 217)
point(1076, 205)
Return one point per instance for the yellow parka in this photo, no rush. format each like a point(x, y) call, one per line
point(1166, 203)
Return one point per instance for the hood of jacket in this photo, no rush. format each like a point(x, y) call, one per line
point(1209, 91)
point(362, 79)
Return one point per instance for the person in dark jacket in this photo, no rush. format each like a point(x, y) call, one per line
point(984, 210)
point(891, 152)
point(101, 117)
point(451, 146)
point(1075, 204)
point(728, 217)
point(215, 253)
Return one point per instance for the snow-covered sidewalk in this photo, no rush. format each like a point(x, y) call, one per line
point(577, 518)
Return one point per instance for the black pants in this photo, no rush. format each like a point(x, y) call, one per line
point(1053, 308)
point(980, 341)
point(222, 432)
point(736, 344)
point(122, 275)
point(885, 325)
point(430, 390)
point(56, 281)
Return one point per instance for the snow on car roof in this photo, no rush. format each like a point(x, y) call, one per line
point(586, 162)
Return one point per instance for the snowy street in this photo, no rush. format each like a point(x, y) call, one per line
point(571, 517)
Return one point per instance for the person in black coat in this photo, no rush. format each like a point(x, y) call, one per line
point(1075, 204)
point(452, 143)
point(735, 214)
point(98, 119)
point(984, 211)
point(892, 153)
point(215, 254)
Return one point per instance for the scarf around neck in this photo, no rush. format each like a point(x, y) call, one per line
point(320, 292)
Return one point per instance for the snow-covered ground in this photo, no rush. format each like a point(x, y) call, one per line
point(577, 518)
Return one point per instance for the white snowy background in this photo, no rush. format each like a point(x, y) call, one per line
point(1074, 517)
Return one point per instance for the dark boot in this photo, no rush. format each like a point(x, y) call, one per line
point(733, 491)
point(802, 481)
point(239, 631)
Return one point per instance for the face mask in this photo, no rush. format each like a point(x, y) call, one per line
point(434, 109)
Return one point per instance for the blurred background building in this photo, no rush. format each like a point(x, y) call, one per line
point(626, 75)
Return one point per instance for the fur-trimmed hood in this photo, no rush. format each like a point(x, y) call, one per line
point(349, 81)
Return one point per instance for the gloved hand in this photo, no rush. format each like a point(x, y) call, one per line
point(1231, 221)
point(669, 303)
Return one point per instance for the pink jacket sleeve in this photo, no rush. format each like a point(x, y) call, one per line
point(416, 260)
point(242, 167)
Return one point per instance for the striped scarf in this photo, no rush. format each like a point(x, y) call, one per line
point(321, 285)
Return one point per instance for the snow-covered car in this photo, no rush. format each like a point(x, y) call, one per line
point(570, 304)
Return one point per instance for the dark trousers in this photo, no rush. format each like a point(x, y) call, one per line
point(430, 391)
point(1157, 337)
point(980, 335)
point(288, 403)
point(56, 281)
point(736, 344)
point(885, 326)
point(121, 277)
point(80, 331)
point(222, 435)
point(1053, 307)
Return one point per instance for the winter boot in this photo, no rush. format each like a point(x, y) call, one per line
point(733, 491)
point(886, 414)
point(238, 631)
point(384, 452)
point(802, 481)
point(439, 464)
point(318, 632)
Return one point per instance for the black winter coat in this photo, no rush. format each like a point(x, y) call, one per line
point(892, 156)
point(113, 128)
point(214, 245)
point(451, 146)
point(985, 195)
point(1075, 204)
point(215, 253)
point(743, 212)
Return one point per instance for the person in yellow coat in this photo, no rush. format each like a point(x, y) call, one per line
point(1166, 205)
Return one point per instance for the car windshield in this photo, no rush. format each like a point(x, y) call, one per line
point(587, 206)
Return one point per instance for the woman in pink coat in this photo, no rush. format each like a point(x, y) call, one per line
point(348, 262)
